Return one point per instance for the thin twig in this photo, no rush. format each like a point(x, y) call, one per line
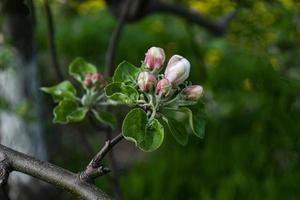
point(113, 43)
point(51, 41)
point(217, 28)
point(144, 8)
point(94, 168)
point(109, 144)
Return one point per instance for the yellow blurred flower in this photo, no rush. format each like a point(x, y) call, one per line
point(274, 62)
point(247, 85)
point(288, 3)
point(91, 6)
point(212, 57)
point(211, 6)
point(200, 6)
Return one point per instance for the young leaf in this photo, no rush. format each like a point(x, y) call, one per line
point(79, 68)
point(147, 135)
point(64, 90)
point(198, 119)
point(106, 118)
point(178, 123)
point(126, 73)
point(122, 93)
point(68, 111)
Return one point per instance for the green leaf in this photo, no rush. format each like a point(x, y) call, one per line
point(64, 90)
point(79, 68)
point(68, 111)
point(178, 123)
point(198, 119)
point(147, 135)
point(154, 136)
point(106, 118)
point(122, 93)
point(126, 73)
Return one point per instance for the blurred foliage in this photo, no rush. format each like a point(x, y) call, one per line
point(251, 77)
point(6, 55)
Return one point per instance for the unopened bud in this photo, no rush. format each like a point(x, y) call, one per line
point(178, 70)
point(94, 81)
point(154, 59)
point(163, 87)
point(87, 81)
point(146, 81)
point(193, 92)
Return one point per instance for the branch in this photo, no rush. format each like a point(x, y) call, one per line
point(143, 8)
point(111, 50)
point(94, 168)
point(216, 28)
point(106, 148)
point(51, 41)
point(4, 173)
point(50, 173)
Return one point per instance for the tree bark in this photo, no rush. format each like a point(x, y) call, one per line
point(19, 85)
point(50, 173)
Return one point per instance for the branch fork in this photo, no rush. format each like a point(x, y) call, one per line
point(95, 169)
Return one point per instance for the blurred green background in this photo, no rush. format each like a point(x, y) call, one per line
point(251, 78)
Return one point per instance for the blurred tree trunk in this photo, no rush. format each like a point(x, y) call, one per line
point(19, 85)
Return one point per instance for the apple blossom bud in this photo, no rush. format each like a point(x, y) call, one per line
point(94, 81)
point(163, 87)
point(146, 81)
point(178, 70)
point(154, 59)
point(193, 92)
point(87, 81)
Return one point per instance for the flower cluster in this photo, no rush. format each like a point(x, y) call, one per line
point(94, 81)
point(164, 89)
point(161, 100)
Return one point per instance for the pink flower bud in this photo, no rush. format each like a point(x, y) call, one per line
point(94, 81)
point(154, 59)
point(178, 70)
point(163, 87)
point(146, 81)
point(87, 81)
point(193, 92)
